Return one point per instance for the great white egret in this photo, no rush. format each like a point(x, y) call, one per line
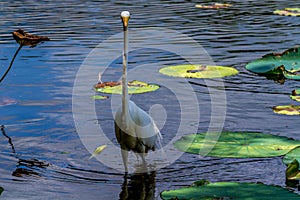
point(135, 129)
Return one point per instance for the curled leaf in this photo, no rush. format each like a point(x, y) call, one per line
point(26, 39)
point(294, 154)
point(134, 87)
point(292, 171)
point(97, 151)
point(198, 71)
point(287, 110)
point(285, 64)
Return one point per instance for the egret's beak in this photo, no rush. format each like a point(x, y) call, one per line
point(125, 15)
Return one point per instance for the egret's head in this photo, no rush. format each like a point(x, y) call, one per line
point(125, 15)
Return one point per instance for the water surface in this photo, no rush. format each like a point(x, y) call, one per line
point(42, 156)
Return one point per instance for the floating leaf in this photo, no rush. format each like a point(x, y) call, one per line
point(98, 150)
point(295, 12)
point(1, 190)
point(198, 71)
point(99, 97)
point(229, 190)
point(134, 87)
point(286, 63)
point(287, 110)
point(292, 155)
point(295, 95)
point(292, 171)
point(213, 6)
point(237, 145)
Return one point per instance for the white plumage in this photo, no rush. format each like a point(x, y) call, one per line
point(135, 129)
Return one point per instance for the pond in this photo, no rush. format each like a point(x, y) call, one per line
point(43, 151)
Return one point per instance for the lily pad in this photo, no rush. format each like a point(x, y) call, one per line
point(286, 63)
point(99, 97)
point(295, 95)
point(229, 190)
point(292, 155)
point(1, 190)
point(287, 110)
point(134, 87)
point(198, 71)
point(237, 145)
point(295, 12)
point(292, 171)
point(213, 6)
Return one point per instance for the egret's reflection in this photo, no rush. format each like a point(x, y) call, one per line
point(139, 186)
point(24, 166)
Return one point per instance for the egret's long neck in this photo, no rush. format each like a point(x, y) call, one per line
point(124, 77)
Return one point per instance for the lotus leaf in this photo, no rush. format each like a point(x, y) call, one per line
point(229, 190)
point(292, 171)
point(134, 87)
point(1, 190)
point(286, 63)
point(198, 71)
point(214, 6)
point(287, 110)
point(295, 95)
point(237, 145)
point(292, 155)
point(295, 12)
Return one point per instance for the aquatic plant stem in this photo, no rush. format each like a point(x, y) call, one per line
point(11, 63)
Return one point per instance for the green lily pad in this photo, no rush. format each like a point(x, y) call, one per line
point(198, 71)
point(292, 171)
point(286, 63)
point(295, 12)
point(134, 87)
point(292, 155)
point(237, 145)
point(295, 95)
point(229, 190)
point(287, 110)
point(1, 190)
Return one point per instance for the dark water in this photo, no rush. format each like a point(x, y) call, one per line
point(42, 156)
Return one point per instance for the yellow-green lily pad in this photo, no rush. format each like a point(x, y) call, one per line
point(198, 71)
point(295, 95)
point(229, 190)
point(213, 6)
point(295, 12)
point(134, 87)
point(99, 97)
point(287, 110)
point(237, 145)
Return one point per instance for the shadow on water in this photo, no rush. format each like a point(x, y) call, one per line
point(138, 187)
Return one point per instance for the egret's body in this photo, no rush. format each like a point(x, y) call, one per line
point(135, 129)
